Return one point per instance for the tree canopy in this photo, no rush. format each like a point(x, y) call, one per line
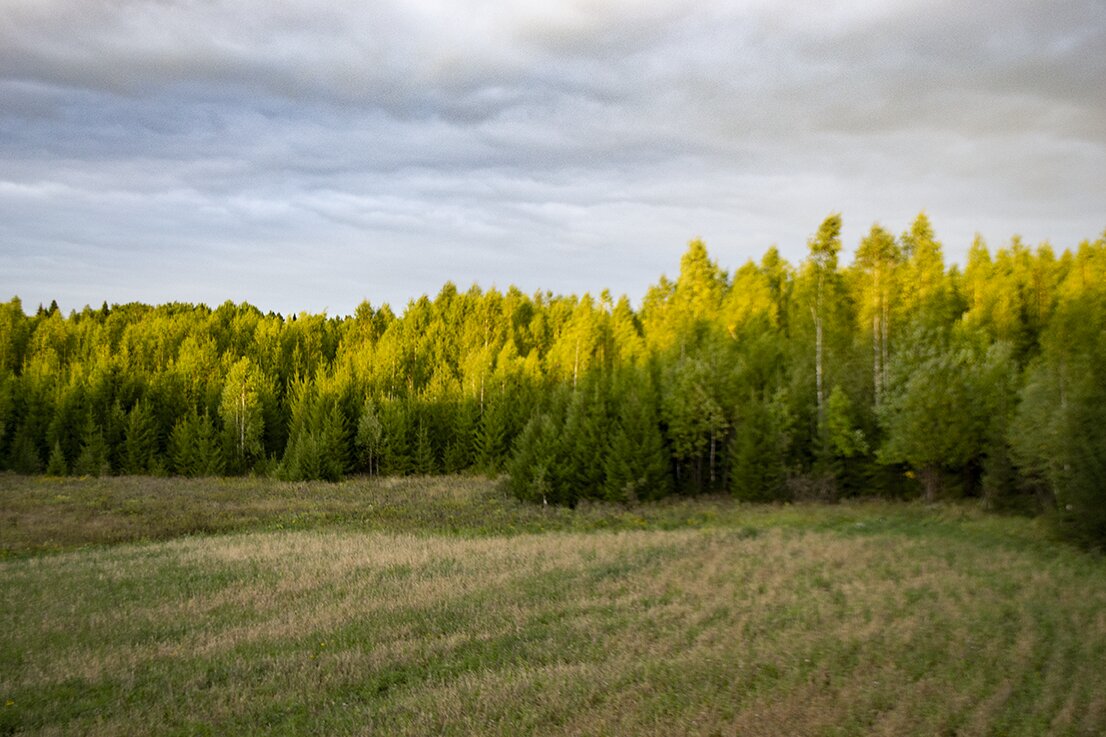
point(892, 375)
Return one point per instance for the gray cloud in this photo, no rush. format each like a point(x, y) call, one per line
point(303, 158)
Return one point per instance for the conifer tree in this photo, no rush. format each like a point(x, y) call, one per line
point(395, 447)
point(68, 420)
point(636, 464)
point(115, 427)
point(926, 292)
point(141, 441)
point(209, 455)
point(758, 455)
point(194, 448)
point(586, 435)
point(458, 454)
point(423, 462)
point(25, 454)
point(534, 463)
point(696, 420)
point(489, 443)
point(182, 446)
point(93, 458)
point(57, 466)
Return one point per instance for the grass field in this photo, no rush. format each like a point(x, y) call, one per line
point(439, 606)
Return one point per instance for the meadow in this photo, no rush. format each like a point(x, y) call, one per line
point(444, 606)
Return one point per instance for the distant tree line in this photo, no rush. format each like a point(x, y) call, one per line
point(895, 376)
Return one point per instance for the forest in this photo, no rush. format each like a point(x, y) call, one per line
point(895, 376)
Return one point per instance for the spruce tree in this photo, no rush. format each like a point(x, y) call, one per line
point(458, 454)
point(182, 446)
point(534, 464)
point(587, 429)
point(636, 464)
point(395, 446)
point(423, 462)
point(758, 454)
point(209, 454)
point(333, 442)
point(140, 440)
point(93, 458)
point(490, 439)
point(25, 454)
point(57, 466)
point(194, 447)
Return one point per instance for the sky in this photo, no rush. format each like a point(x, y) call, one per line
point(307, 156)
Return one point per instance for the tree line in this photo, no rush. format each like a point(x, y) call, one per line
point(894, 375)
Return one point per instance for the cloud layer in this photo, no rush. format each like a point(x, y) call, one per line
point(306, 158)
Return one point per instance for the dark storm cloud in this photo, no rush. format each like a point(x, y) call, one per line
point(303, 156)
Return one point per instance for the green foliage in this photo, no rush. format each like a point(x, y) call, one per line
point(692, 408)
point(318, 444)
point(760, 450)
point(585, 436)
point(369, 437)
point(56, 465)
point(1057, 436)
point(535, 462)
point(636, 465)
point(845, 440)
point(141, 440)
point(458, 454)
point(926, 416)
point(194, 447)
point(6, 405)
point(424, 461)
point(490, 442)
point(241, 411)
point(26, 457)
point(764, 381)
point(395, 456)
point(93, 458)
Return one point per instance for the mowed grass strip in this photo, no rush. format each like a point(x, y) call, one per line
point(785, 629)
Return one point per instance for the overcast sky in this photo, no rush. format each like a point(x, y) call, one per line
point(305, 156)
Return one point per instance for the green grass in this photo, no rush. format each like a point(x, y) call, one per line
point(42, 514)
point(440, 606)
